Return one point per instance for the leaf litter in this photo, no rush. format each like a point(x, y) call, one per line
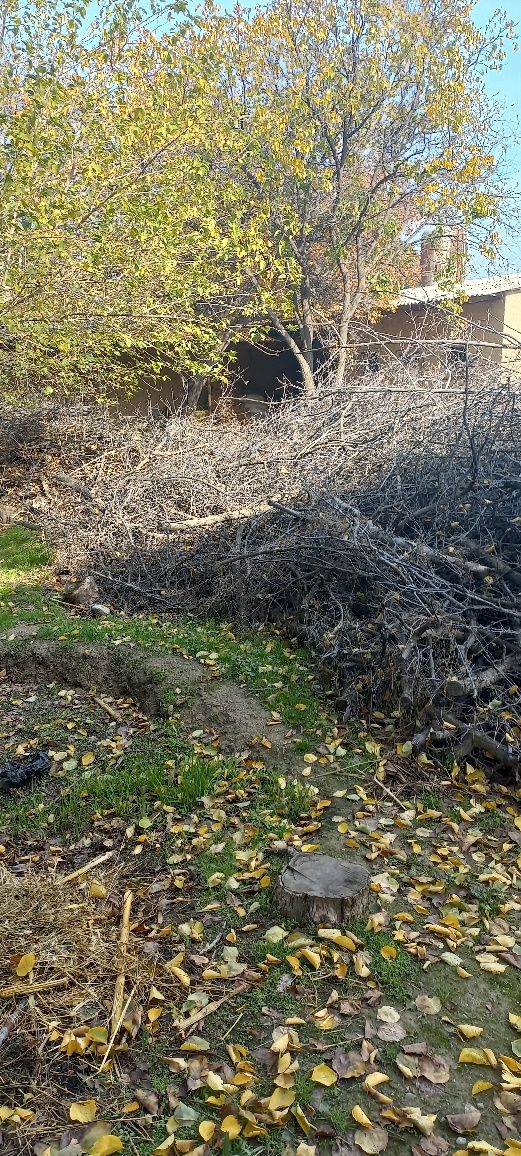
point(446, 896)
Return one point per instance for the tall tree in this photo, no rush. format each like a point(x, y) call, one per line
point(118, 233)
point(350, 120)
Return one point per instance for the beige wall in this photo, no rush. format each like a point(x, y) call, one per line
point(511, 355)
point(483, 320)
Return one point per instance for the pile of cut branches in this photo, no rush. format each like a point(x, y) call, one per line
point(381, 524)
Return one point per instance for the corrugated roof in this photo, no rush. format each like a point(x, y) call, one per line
point(476, 287)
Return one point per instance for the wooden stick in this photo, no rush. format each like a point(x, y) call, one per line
point(119, 989)
point(109, 709)
point(115, 1032)
point(12, 1021)
point(32, 988)
point(87, 867)
point(391, 795)
point(203, 1012)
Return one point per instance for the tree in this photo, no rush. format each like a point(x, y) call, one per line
point(169, 184)
point(350, 121)
point(119, 236)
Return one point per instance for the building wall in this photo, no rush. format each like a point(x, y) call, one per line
point(511, 354)
point(483, 318)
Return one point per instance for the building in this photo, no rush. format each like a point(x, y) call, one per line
point(433, 322)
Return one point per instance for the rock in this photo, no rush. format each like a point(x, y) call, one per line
point(319, 889)
point(83, 593)
point(98, 610)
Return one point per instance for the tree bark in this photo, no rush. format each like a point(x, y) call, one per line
point(194, 388)
point(322, 890)
point(308, 377)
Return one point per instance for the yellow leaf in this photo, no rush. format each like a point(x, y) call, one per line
point(469, 1031)
point(181, 975)
point(490, 963)
point(231, 1126)
point(325, 1075)
point(87, 759)
point(515, 1020)
point(153, 1014)
point(206, 1129)
point(482, 1056)
point(26, 964)
point(97, 890)
point(106, 1145)
point(388, 952)
point(281, 1098)
point(312, 957)
point(301, 1119)
point(84, 1111)
point(306, 1150)
point(481, 1086)
point(359, 1115)
point(337, 937)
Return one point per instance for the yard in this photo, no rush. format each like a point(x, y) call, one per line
point(185, 763)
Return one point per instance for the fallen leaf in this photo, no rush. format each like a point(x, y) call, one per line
point(84, 1111)
point(275, 934)
point(325, 1075)
point(481, 1086)
point(431, 1146)
point(106, 1145)
point(149, 1100)
point(469, 1031)
point(25, 964)
point(428, 1005)
point(206, 1129)
point(464, 1122)
point(359, 1115)
point(374, 1141)
point(434, 1068)
point(97, 890)
point(87, 759)
point(348, 1065)
point(483, 1056)
point(231, 1126)
point(388, 1014)
point(391, 1033)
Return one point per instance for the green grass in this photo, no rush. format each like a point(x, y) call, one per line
point(396, 976)
point(21, 551)
point(23, 558)
point(130, 790)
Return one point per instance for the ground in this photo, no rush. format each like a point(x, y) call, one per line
point(185, 763)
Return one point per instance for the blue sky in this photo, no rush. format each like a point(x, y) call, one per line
point(505, 89)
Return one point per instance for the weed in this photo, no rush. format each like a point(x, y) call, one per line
point(431, 801)
point(491, 822)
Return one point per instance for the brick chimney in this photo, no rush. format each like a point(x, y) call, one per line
point(441, 251)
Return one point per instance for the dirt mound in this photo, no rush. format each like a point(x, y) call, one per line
point(161, 684)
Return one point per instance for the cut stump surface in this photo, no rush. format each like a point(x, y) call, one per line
point(320, 889)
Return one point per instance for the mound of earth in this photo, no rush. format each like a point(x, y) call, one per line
point(161, 684)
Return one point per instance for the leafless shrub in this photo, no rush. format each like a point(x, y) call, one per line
point(380, 523)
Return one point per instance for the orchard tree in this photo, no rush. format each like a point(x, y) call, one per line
point(348, 122)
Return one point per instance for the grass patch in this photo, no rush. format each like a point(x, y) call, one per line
point(396, 976)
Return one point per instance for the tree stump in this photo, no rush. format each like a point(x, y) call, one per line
point(319, 889)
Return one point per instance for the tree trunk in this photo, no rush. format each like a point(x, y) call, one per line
point(343, 329)
point(308, 377)
point(319, 889)
point(307, 329)
point(194, 388)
